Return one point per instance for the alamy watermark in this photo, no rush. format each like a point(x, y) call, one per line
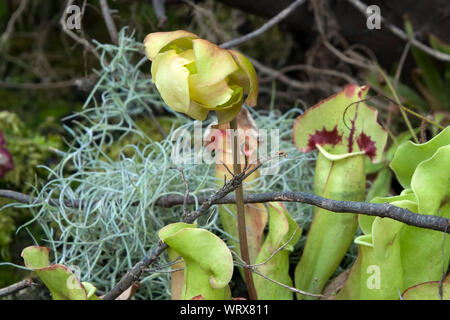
point(214, 145)
point(73, 20)
point(373, 14)
point(374, 280)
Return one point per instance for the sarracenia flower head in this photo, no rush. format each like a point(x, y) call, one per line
point(195, 76)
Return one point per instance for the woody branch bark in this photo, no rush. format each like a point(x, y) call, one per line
point(384, 210)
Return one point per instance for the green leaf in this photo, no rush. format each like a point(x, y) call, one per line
point(427, 291)
point(330, 234)
point(344, 129)
point(381, 185)
point(208, 261)
point(439, 45)
point(58, 278)
point(341, 124)
point(409, 155)
point(281, 228)
point(430, 73)
point(377, 273)
point(421, 255)
point(431, 182)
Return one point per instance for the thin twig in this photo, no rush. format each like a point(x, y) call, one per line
point(278, 250)
point(403, 35)
point(16, 287)
point(269, 24)
point(253, 269)
point(398, 72)
point(328, 72)
point(10, 27)
point(397, 100)
point(72, 34)
point(228, 169)
point(202, 15)
point(160, 12)
point(78, 82)
point(110, 25)
point(186, 194)
point(286, 286)
point(157, 124)
point(285, 79)
point(417, 115)
point(357, 62)
point(423, 133)
point(165, 271)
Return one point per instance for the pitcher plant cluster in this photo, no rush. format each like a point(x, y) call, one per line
point(194, 77)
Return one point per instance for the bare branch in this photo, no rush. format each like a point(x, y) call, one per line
point(402, 35)
point(342, 56)
point(110, 25)
point(78, 82)
point(384, 210)
point(186, 194)
point(10, 27)
point(285, 79)
point(398, 72)
point(157, 124)
point(73, 35)
point(16, 287)
point(222, 196)
point(269, 24)
point(327, 72)
point(160, 12)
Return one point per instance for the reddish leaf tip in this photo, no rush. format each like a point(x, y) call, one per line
point(367, 145)
point(350, 90)
point(323, 137)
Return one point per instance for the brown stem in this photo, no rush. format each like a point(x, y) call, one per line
point(112, 30)
point(241, 216)
point(16, 287)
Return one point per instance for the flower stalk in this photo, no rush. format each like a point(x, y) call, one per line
point(241, 216)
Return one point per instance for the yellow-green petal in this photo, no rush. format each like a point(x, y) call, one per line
point(211, 95)
point(246, 77)
point(214, 64)
point(237, 96)
point(171, 79)
point(227, 114)
point(197, 111)
point(155, 41)
point(188, 54)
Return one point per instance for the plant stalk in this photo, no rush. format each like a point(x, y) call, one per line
point(402, 108)
point(241, 216)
